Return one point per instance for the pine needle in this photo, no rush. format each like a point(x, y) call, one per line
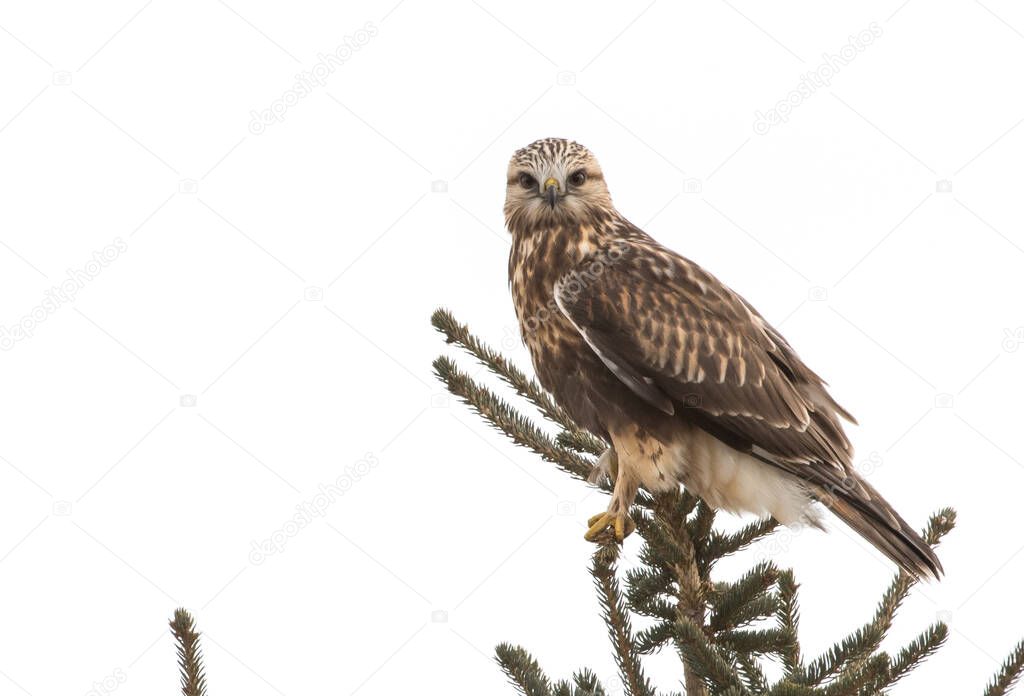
point(613, 609)
point(581, 442)
point(720, 545)
point(190, 655)
point(587, 684)
point(859, 681)
point(738, 603)
point(501, 415)
point(915, 653)
point(711, 666)
point(522, 670)
point(752, 674)
point(460, 334)
point(1008, 674)
point(788, 618)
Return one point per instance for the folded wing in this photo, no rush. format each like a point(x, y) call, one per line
point(680, 339)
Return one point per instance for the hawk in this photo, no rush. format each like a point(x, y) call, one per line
point(682, 376)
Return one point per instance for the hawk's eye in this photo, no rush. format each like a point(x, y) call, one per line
point(578, 177)
point(527, 181)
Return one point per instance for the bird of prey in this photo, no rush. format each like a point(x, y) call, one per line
point(682, 376)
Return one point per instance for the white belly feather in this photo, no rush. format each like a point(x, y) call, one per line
point(724, 477)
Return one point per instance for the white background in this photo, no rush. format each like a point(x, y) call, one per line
point(132, 121)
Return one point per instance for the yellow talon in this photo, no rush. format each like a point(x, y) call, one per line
point(620, 525)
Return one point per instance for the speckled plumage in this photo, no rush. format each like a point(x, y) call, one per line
point(686, 380)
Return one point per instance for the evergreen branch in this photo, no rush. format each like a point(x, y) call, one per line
point(914, 653)
point(758, 609)
point(747, 599)
point(563, 688)
point(655, 608)
point(501, 415)
point(700, 533)
point(707, 662)
point(653, 637)
point(684, 502)
point(645, 587)
point(587, 684)
point(1008, 674)
point(720, 545)
point(859, 681)
point(581, 441)
point(863, 642)
point(789, 688)
point(671, 545)
point(529, 389)
point(788, 618)
point(613, 609)
point(662, 550)
point(522, 670)
point(751, 673)
point(939, 525)
point(190, 655)
point(649, 587)
point(751, 642)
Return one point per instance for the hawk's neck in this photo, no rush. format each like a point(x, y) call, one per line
point(540, 256)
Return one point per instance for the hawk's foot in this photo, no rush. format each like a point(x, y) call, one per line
point(618, 524)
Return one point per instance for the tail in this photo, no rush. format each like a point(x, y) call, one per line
point(866, 512)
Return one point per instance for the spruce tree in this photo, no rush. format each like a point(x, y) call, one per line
point(724, 632)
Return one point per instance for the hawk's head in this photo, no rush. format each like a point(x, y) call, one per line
point(553, 181)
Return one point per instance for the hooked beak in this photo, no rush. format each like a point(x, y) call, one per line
point(551, 191)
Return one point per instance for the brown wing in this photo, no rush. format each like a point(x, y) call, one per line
point(679, 338)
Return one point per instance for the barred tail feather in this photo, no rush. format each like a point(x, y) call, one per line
point(867, 513)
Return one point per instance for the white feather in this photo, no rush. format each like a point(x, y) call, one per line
point(725, 478)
